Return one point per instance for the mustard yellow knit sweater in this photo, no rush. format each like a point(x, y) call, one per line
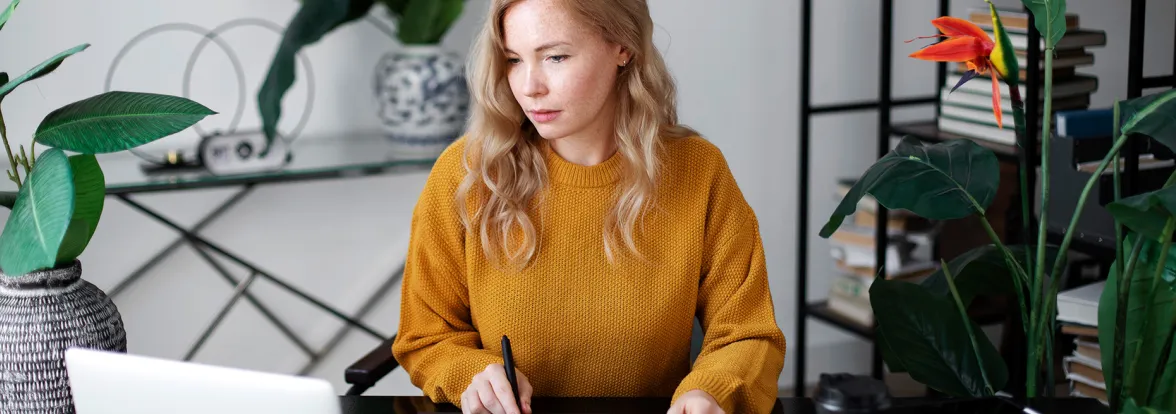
point(580, 326)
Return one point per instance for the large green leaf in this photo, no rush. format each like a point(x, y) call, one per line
point(116, 121)
point(1152, 115)
point(982, 271)
point(419, 22)
point(312, 21)
point(1147, 344)
point(40, 70)
point(942, 181)
point(7, 13)
point(1049, 16)
point(396, 7)
point(37, 224)
point(89, 196)
point(928, 339)
point(1129, 407)
point(426, 21)
point(1145, 213)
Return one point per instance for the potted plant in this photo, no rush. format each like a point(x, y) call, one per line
point(421, 87)
point(45, 305)
point(923, 328)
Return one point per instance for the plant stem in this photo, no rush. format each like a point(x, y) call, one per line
point(1094, 176)
point(1165, 352)
point(1039, 274)
point(955, 295)
point(1118, 194)
point(1169, 228)
point(1012, 263)
point(1116, 386)
point(11, 160)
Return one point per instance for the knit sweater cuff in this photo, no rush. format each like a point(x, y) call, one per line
point(720, 385)
point(456, 376)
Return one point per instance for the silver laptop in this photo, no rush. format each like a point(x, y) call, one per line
point(108, 382)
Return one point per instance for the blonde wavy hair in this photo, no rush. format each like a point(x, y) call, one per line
point(504, 159)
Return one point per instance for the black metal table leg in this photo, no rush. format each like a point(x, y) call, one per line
point(257, 303)
point(220, 316)
point(252, 268)
point(142, 270)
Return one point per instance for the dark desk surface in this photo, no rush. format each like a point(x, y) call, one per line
point(414, 405)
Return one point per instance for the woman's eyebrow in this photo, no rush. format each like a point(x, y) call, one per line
point(545, 46)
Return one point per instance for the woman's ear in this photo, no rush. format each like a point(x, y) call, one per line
point(623, 56)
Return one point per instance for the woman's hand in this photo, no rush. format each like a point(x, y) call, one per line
point(695, 402)
point(489, 393)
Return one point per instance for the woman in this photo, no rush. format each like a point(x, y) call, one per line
point(580, 220)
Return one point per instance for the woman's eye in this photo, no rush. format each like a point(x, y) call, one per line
point(559, 58)
point(512, 61)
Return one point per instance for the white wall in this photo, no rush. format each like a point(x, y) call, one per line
point(737, 70)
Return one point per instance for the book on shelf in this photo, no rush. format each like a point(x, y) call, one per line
point(967, 111)
point(1077, 312)
point(1080, 305)
point(909, 244)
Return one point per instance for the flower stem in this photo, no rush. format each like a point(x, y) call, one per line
point(1120, 337)
point(15, 176)
point(955, 295)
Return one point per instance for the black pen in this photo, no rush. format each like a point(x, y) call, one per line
point(508, 363)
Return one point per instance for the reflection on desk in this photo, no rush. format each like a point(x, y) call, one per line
point(419, 405)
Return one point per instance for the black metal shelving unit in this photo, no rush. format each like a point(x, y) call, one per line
point(928, 131)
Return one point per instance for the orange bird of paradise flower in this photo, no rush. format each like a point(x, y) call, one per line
point(966, 42)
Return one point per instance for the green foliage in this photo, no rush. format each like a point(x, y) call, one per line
point(8, 13)
point(419, 22)
point(1131, 408)
point(932, 341)
point(426, 21)
point(38, 221)
point(921, 327)
point(1153, 116)
point(314, 20)
point(942, 181)
point(974, 272)
point(43, 69)
point(58, 205)
point(1049, 19)
point(1144, 341)
point(89, 197)
point(1145, 213)
point(117, 121)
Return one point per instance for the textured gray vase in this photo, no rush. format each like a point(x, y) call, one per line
point(42, 314)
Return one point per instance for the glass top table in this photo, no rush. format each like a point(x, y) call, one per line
point(311, 158)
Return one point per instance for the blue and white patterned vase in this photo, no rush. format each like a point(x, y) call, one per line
point(423, 98)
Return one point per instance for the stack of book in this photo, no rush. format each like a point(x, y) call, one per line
point(968, 110)
point(908, 255)
point(1078, 314)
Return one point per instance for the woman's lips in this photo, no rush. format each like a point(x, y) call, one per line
point(544, 115)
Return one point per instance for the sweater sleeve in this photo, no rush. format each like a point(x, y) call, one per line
point(743, 348)
point(436, 342)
